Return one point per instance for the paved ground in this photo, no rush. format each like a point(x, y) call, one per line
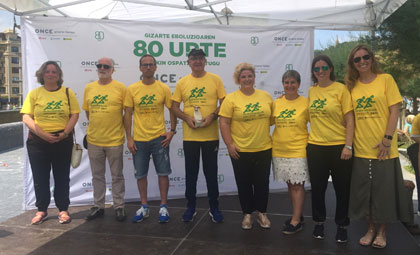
point(11, 183)
point(106, 236)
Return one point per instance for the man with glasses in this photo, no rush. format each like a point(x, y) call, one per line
point(200, 92)
point(146, 100)
point(103, 102)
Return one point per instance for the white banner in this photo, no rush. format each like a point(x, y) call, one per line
point(76, 44)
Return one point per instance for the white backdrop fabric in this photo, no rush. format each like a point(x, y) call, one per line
point(76, 44)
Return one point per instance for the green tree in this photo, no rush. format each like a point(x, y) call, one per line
point(397, 41)
point(338, 54)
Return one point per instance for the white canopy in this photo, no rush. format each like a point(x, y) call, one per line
point(320, 14)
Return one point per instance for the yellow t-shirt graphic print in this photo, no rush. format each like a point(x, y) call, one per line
point(105, 105)
point(327, 107)
point(204, 92)
point(148, 102)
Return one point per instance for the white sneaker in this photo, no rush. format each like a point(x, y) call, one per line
point(163, 214)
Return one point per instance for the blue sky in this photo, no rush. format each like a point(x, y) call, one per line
point(323, 38)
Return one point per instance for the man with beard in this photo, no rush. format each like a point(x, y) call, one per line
point(146, 99)
point(103, 102)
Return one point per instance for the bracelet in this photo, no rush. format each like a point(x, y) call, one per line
point(215, 115)
point(385, 145)
point(173, 130)
point(65, 134)
point(348, 147)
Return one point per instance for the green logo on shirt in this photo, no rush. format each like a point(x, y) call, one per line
point(197, 92)
point(286, 114)
point(318, 104)
point(146, 100)
point(97, 100)
point(252, 107)
point(365, 102)
point(53, 105)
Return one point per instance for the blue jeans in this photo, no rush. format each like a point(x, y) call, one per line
point(159, 154)
point(209, 151)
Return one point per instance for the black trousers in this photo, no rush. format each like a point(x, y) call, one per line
point(324, 161)
point(252, 173)
point(43, 156)
point(209, 152)
point(412, 152)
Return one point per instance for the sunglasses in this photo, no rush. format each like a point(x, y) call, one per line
point(317, 69)
point(147, 65)
point(99, 66)
point(358, 59)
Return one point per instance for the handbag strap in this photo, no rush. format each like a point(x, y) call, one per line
point(68, 99)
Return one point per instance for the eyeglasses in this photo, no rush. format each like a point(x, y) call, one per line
point(358, 59)
point(99, 66)
point(198, 58)
point(317, 68)
point(147, 65)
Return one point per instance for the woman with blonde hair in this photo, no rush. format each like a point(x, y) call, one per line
point(245, 128)
point(50, 112)
point(377, 188)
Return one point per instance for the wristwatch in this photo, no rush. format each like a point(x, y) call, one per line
point(389, 137)
point(215, 115)
point(173, 130)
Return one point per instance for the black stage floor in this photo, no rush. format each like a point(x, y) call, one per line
point(202, 236)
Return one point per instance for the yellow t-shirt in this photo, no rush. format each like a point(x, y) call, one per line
point(205, 93)
point(371, 102)
point(290, 135)
point(327, 107)
point(148, 102)
point(415, 127)
point(105, 104)
point(50, 108)
point(250, 119)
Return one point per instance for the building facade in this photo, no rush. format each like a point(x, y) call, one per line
point(10, 70)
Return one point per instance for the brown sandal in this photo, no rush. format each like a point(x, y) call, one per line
point(380, 242)
point(39, 218)
point(64, 217)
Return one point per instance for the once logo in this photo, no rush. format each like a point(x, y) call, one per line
point(289, 67)
point(99, 35)
point(255, 40)
point(87, 185)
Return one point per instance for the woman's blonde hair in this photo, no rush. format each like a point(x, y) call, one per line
point(351, 72)
point(242, 67)
point(409, 118)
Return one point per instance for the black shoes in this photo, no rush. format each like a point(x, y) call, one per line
point(319, 231)
point(341, 236)
point(94, 213)
point(120, 214)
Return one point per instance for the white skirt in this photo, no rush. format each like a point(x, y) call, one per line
point(291, 170)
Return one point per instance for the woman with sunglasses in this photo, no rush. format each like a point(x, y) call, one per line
point(377, 188)
point(329, 149)
point(50, 119)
